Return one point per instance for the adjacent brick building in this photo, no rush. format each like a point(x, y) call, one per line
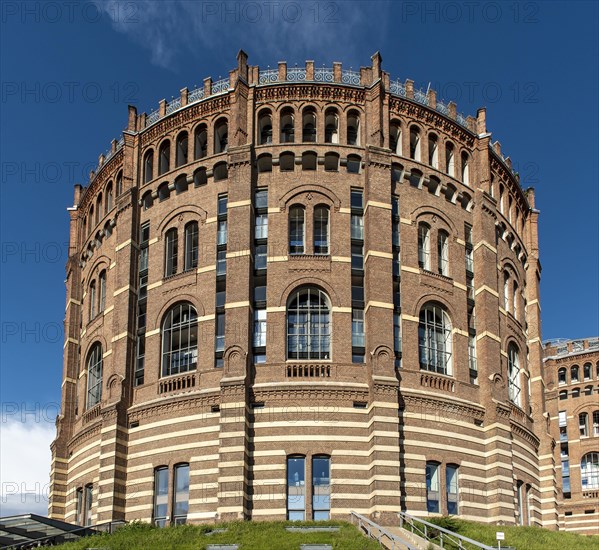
point(572, 375)
point(299, 292)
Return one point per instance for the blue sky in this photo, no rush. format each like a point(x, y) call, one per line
point(69, 69)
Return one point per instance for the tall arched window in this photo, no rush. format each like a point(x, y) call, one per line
point(433, 151)
point(443, 253)
point(434, 339)
point(99, 209)
point(424, 246)
point(149, 166)
point(586, 371)
point(574, 373)
point(296, 230)
point(415, 143)
point(179, 340)
point(265, 128)
point(308, 325)
point(353, 128)
point(515, 299)
point(108, 198)
point(465, 168)
point(513, 374)
point(562, 376)
point(331, 127)
point(119, 183)
point(395, 138)
point(200, 149)
point(164, 157)
point(287, 126)
point(321, 230)
point(191, 245)
point(170, 251)
point(102, 297)
point(506, 290)
point(94, 375)
point(221, 136)
point(589, 471)
point(181, 152)
point(449, 159)
point(92, 300)
point(309, 125)
point(583, 424)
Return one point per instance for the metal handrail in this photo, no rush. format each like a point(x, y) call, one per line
point(444, 534)
point(368, 526)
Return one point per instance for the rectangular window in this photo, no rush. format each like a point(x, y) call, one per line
point(357, 328)
point(87, 504)
point(424, 250)
point(259, 328)
point(296, 231)
point(357, 294)
point(432, 487)
point(171, 253)
point(562, 418)
point(222, 233)
point(596, 424)
point(356, 200)
point(357, 257)
point(260, 257)
point(222, 205)
point(397, 333)
point(160, 496)
point(260, 294)
point(181, 494)
point(261, 199)
point(357, 227)
point(583, 424)
point(191, 246)
point(451, 487)
point(469, 249)
point(261, 230)
point(519, 503)
point(221, 262)
point(296, 488)
point(472, 358)
point(321, 488)
point(321, 230)
point(220, 332)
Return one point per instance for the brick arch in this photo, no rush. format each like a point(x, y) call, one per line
point(309, 281)
point(182, 210)
point(192, 299)
point(306, 188)
point(420, 213)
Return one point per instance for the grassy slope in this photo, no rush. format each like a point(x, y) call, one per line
point(522, 538)
point(249, 535)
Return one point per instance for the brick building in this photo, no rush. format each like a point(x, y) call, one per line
point(298, 292)
point(572, 374)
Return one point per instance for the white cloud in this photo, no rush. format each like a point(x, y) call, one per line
point(176, 30)
point(25, 459)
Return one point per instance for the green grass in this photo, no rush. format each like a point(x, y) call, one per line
point(249, 536)
point(522, 538)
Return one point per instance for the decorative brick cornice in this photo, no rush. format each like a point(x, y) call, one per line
point(107, 171)
point(310, 91)
point(446, 407)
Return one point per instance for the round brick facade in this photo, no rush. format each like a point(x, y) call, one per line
point(355, 268)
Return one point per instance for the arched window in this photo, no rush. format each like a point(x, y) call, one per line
point(119, 183)
point(84, 228)
point(513, 374)
point(586, 371)
point(181, 153)
point(515, 299)
point(321, 230)
point(331, 162)
point(589, 471)
point(108, 204)
point(99, 209)
point(149, 166)
point(424, 246)
point(287, 162)
point(449, 159)
point(102, 296)
point(200, 149)
point(433, 487)
point(562, 376)
point(321, 487)
point(265, 128)
point(465, 168)
point(170, 251)
point(415, 143)
point(92, 300)
point(583, 424)
point(221, 136)
point(309, 159)
point(296, 230)
point(181, 494)
point(443, 253)
point(296, 488)
point(200, 177)
point(164, 157)
point(308, 325)
point(353, 128)
point(94, 376)
point(191, 245)
point(287, 126)
point(596, 423)
point(506, 290)
point(434, 339)
point(574, 373)
point(147, 201)
point(354, 162)
point(221, 171)
point(433, 151)
point(181, 184)
point(309, 125)
point(163, 192)
point(179, 340)
point(264, 163)
point(331, 127)
point(160, 512)
point(395, 138)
